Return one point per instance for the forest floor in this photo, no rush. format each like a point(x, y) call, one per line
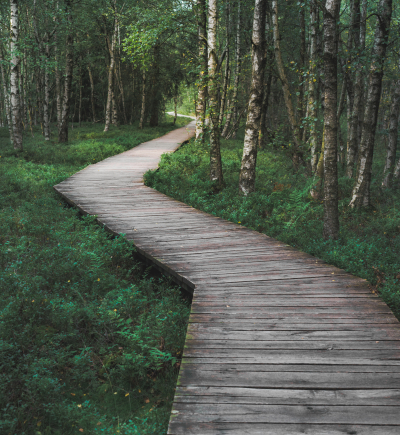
point(90, 338)
point(283, 208)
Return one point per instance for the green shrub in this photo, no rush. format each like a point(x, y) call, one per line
point(89, 338)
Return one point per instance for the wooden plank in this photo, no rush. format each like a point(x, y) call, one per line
point(194, 427)
point(278, 342)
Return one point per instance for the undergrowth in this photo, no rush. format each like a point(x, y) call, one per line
point(283, 208)
point(90, 340)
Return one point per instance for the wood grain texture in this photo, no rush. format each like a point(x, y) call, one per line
point(279, 342)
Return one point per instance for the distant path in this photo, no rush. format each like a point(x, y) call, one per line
point(278, 343)
point(185, 116)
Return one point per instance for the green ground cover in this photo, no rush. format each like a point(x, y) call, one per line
point(283, 208)
point(90, 339)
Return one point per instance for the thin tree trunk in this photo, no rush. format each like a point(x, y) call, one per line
point(215, 151)
point(110, 93)
point(46, 102)
point(92, 93)
point(392, 140)
point(331, 213)
point(14, 76)
point(312, 104)
point(143, 111)
point(155, 97)
point(63, 130)
point(285, 86)
point(339, 114)
point(58, 81)
point(203, 60)
point(6, 99)
point(247, 176)
point(301, 105)
point(264, 108)
point(175, 103)
point(361, 190)
point(227, 65)
point(80, 96)
point(352, 140)
point(233, 108)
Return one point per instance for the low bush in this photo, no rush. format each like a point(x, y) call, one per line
point(90, 339)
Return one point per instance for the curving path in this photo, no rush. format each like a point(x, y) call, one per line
point(278, 342)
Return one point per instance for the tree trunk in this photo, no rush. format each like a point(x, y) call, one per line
point(215, 152)
point(6, 100)
point(352, 137)
point(14, 77)
point(331, 214)
point(143, 111)
point(339, 114)
point(233, 108)
point(312, 104)
point(92, 93)
point(63, 130)
point(58, 82)
point(227, 65)
point(361, 191)
point(80, 95)
point(392, 140)
point(285, 86)
point(203, 60)
point(265, 104)
point(110, 93)
point(247, 176)
point(155, 95)
point(300, 104)
point(46, 103)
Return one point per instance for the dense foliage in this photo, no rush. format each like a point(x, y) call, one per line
point(282, 207)
point(90, 339)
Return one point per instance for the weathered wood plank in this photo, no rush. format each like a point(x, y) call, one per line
point(278, 342)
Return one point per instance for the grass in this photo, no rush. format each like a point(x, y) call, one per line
point(283, 208)
point(90, 340)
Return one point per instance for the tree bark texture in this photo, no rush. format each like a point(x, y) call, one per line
point(7, 105)
point(110, 93)
point(227, 65)
point(392, 140)
point(331, 214)
point(14, 77)
point(203, 58)
point(352, 136)
point(69, 59)
point(312, 105)
point(285, 84)
point(213, 86)
point(92, 93)
point(233, 107)
point(361, 190)
point(143, 111)
point(46, 103)
point(155, 89)
point(247, 175)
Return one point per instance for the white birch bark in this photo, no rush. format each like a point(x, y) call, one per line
point(14, 76)
point(249, 159)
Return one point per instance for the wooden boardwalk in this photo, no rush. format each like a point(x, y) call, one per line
point(278, 343)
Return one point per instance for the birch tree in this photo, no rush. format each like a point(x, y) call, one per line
point(69, 66)
point(201, 12)
point(249, 159)
point(331, 215)
point(361, 190)
point(14, 75)
point(213, 87)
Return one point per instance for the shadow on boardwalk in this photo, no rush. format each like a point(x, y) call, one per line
point(278, 342)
